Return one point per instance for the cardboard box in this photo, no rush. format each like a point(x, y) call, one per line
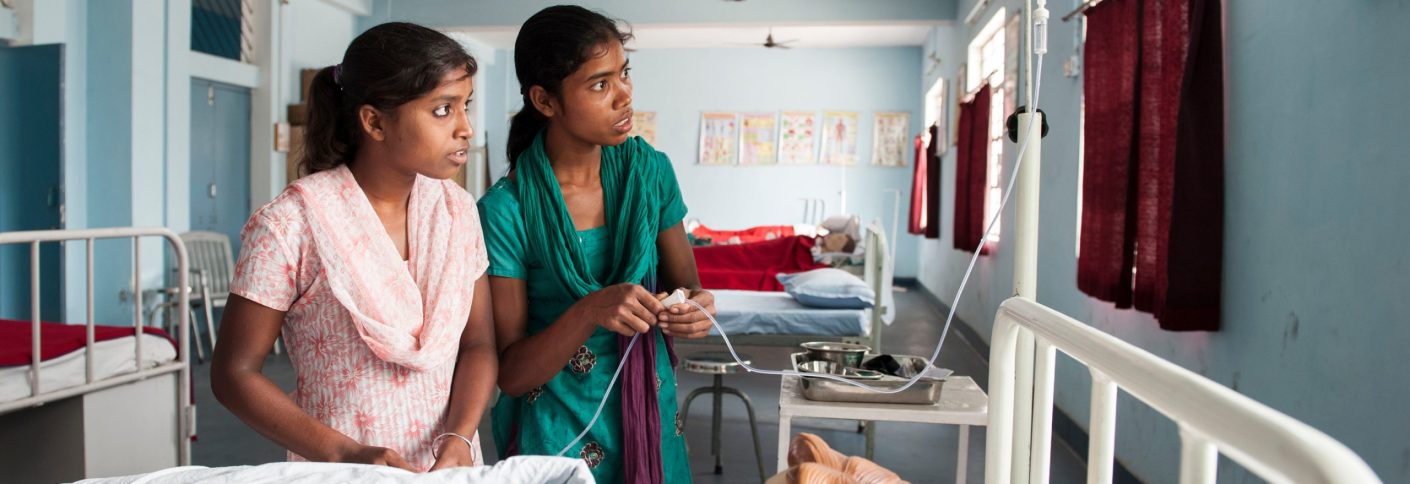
point(298, 114)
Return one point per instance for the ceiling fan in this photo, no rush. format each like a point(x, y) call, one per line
point(770, 43)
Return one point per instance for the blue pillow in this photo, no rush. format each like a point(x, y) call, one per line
point(828, 288)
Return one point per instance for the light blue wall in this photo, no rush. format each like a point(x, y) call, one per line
point(498, 89)
point(316, 36)
point(109, 162)
point(1314, 276)
point(678, 84)
point(459, 13)
point(126, 158)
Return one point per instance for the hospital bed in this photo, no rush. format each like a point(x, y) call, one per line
point(86, 400)
point(765, 318)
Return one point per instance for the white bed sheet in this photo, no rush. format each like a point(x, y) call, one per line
point(112, 357)
point(761, 312)
point(519, 469)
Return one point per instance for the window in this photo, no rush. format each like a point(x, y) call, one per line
point(987, 65)
point(222, 28)
point(1081, 133)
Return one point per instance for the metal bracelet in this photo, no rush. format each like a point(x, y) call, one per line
point(436, 443)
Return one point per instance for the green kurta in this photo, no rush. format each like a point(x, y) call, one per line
point(544, 420)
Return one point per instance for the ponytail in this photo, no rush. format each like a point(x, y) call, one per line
point(329, 139)
point(522, 129)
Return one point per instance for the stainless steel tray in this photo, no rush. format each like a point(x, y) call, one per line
point(924, 392)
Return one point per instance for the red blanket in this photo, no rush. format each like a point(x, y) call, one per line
point(752, 234)
point(55, 339)
point(753, 266)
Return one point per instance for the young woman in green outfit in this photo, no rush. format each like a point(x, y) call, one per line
point(585, 238)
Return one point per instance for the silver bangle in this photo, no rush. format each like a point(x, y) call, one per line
point(436, 443)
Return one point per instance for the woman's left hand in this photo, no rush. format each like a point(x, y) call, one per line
point(453, 453)
point(685, 320)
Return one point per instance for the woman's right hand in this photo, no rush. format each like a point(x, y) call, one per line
point(625, 309)
point(366, 454)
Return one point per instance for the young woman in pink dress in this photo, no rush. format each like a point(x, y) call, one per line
point(372, 269)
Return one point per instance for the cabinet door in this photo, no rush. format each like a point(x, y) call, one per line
point(220, 158)
point(31, 196)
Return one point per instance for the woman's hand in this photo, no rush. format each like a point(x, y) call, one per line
point(366, 454)
point(454, 453)
point(625, 309)
point(685, 320)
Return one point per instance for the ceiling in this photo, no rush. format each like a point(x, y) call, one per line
point(661, 36)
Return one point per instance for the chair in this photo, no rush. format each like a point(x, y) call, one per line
point(720, 364)
point(212, 267)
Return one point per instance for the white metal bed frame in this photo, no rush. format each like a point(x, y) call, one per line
point(1211, 417)
point(186, 412)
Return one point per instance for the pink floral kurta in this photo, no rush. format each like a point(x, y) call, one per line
point(341, 382)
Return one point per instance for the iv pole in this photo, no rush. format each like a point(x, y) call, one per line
point(1030, 452)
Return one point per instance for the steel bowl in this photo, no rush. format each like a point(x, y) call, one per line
point(847, 355)
point(831, 368)
point(820, 366)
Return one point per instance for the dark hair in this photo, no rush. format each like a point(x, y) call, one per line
point(385, 67)
point(552, 45)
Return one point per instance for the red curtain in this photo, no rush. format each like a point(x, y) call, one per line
point(932, 186)
point(1160, 203)
point(918, 190)
point(962, 148)
point(1109, 93)
point(971, 171)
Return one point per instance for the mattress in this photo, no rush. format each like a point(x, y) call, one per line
point(112, 357)
point(515, 469)
point(756, 312)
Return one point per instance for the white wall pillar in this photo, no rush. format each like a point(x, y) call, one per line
point(75, 152)
point(178, 115)
point(148, 128)
point(266, 165)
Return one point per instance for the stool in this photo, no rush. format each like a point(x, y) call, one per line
point(719, 364)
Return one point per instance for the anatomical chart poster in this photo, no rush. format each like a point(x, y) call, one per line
point(839, 131)
point(797, 134)
point(757, 144)
point(719, 138)
point(889, 141)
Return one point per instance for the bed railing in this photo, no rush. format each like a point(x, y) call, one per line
point(38, 395)
point(1212, 418)
point(877, 256)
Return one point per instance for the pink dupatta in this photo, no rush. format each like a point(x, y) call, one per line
point(408, 314)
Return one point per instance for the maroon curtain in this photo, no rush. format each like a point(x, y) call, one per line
point(919, 180)
point(971, 171)
point(962, 148)
point(1109, 93)
point(1185, 274)
point(932, 186)
point(1170, 208)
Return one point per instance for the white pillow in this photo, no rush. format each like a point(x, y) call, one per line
point(828, 288)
